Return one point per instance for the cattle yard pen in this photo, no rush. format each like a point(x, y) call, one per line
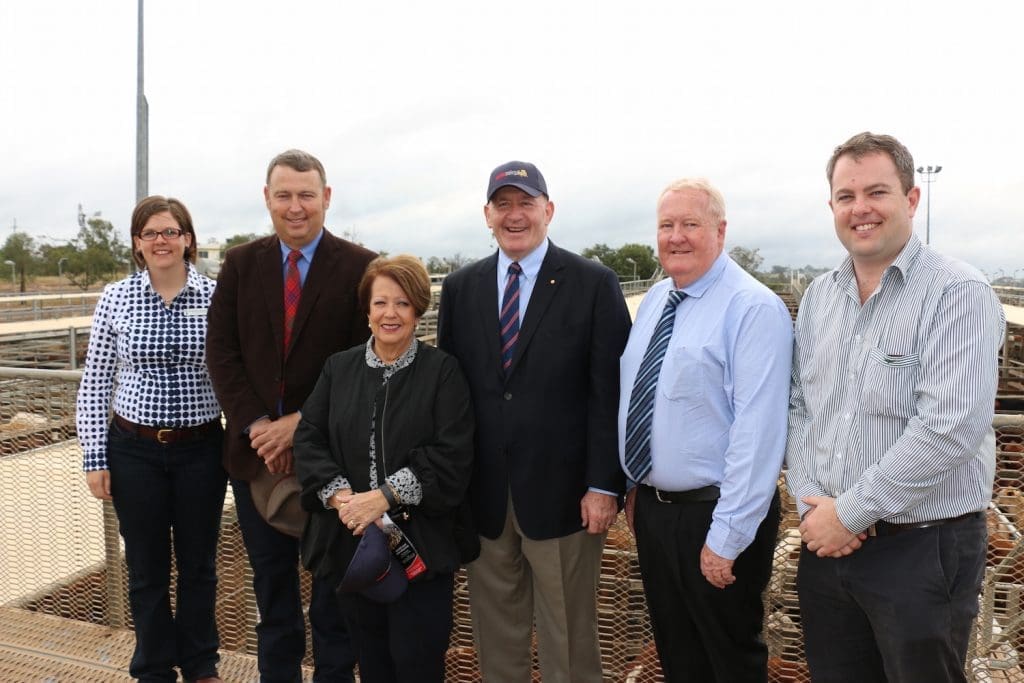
point(63, 599)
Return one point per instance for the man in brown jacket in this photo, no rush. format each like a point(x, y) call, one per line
point(283, 304)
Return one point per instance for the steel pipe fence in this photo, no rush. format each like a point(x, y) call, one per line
point(61, 557)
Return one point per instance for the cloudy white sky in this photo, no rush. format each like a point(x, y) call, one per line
point(410, 104)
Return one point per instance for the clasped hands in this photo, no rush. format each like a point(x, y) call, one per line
point(272, 441)
point(358, 510)
point(824, 533)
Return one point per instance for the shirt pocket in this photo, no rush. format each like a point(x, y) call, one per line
point(889, 382)
point(682, 379)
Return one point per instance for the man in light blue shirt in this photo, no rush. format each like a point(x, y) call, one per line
point(702, 433)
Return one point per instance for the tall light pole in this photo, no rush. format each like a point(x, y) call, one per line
point(141, 120)
point(928, 177)
point(629, 260)
point(11, 264)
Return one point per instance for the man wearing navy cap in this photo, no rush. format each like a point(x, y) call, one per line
point(538, 331)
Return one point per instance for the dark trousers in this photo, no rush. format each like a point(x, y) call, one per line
point(160, 491)
point(703, 634)
point(899, 609)
point(404, 641)
point(281, 633)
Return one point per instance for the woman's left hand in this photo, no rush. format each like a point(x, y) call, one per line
point(359, 510)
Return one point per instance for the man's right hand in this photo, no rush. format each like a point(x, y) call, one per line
point(282, 463)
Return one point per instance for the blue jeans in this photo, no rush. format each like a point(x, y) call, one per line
point(899, 610)
point(159, 491)
point(281, 633)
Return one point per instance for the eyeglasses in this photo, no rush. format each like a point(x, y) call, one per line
point(168, 233)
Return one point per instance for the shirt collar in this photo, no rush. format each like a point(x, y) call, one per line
point(905, 260)
point(530, 263)
point(403, 361)
point(704, 282)
point(307, 251)
point(193, 280)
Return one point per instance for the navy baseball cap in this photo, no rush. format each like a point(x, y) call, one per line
point(521, 174)
point(374, 570)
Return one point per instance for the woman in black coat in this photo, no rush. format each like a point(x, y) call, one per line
point(386, 438)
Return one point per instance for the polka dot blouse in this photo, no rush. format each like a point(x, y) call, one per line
point(149, 358)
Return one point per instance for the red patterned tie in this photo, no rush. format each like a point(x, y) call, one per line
point(292, 293)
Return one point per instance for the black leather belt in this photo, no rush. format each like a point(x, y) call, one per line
point(883, 528)
point(705, 494)
point(165, 435)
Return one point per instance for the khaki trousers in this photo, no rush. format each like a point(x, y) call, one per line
point(516, 581)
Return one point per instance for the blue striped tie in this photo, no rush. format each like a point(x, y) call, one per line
point(641, 401)
point(509, 317)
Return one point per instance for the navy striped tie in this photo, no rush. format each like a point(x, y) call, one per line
point(509, 317)
point(641, 401)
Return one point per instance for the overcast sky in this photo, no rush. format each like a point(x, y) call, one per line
point(411, 104)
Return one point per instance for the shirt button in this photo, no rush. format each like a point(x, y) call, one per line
point(839, 456)
point(508, 396)
point(856, 338)
point(846, 417)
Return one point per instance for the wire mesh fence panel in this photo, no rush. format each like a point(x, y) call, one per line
point(61, 555)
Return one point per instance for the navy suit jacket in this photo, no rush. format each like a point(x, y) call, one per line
point(245, 334)
point(547, 431)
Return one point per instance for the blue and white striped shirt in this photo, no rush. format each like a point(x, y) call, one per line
point(150, 358)
point(891, 402)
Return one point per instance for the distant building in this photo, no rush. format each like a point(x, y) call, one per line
point(208, 259)
point(212, 250)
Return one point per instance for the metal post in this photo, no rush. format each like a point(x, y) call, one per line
point(141, 122)
point(928, 173)
point(141, 130)
point(117, 615)
point(73, 348)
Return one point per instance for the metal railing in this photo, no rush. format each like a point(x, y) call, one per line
point(1011, 296)
point(61, 555)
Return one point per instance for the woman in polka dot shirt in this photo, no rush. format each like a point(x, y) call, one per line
point(159, 458)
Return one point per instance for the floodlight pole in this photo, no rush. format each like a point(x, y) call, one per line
point(928, 177)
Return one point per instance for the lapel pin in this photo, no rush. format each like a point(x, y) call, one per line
point(552, 282)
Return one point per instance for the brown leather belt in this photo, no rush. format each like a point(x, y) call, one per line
point(883, 528)
point(165, 435)
point(705, 494)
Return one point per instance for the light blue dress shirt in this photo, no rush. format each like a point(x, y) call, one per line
point(721, 405)
point(307, 256)
point(531, 269)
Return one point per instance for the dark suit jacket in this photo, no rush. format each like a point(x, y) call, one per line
point(548, 431)
point(246, 327)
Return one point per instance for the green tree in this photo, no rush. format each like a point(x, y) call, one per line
point(98, 256)
point(242, 238)
point(447, 264)
point(628, 261)
point(747, 259)
point(54, 257)
point(21, 253)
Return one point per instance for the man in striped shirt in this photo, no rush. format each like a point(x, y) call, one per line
point(891, 452)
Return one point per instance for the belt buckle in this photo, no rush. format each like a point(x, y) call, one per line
point(872, 530)
point(161, 434)
point(657, 494)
